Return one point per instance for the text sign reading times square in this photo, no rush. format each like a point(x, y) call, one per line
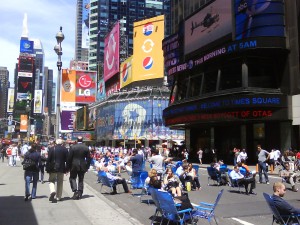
point(243, 107)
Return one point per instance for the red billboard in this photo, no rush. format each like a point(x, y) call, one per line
point(85, 87)
point(111, 53)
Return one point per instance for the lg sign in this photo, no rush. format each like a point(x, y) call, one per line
point(85, 82)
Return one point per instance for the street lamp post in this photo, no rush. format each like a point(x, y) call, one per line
point(58, 49)
point(28, 110)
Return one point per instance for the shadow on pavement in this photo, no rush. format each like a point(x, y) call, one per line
point(15, 211)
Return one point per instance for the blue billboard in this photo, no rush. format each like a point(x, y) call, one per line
point(26, 46)
point(254, 18)
point(140, 119)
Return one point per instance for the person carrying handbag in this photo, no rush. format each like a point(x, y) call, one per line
point(56, 166)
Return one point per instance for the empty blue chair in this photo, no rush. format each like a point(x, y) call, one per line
point(213, 175)
point(207, 210)
point(196, 167)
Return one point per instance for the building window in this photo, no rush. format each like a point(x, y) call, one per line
point(210, 81)
point(231, 76)
point(195, 85)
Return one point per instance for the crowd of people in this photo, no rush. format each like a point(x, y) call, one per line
point(176, 179)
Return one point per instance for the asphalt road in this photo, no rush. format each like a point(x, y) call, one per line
point(234, 207)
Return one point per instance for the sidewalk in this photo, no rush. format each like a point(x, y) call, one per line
point(92, 209)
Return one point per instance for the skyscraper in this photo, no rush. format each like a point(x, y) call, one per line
point(4, 85)
point(103, 16)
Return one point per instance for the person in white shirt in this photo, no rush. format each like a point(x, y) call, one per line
point(272, 160)
point(236, 175)
point(14, 154)
point(243, 155)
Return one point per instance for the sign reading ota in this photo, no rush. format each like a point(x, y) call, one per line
point(85, 87)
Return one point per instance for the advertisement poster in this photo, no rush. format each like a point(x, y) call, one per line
point(38, 101)
point(67, 120)
point(85, 87)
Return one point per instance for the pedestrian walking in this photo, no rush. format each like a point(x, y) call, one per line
point(200, 155)
point(78, 162)
point(31, 162)
point(57, 156)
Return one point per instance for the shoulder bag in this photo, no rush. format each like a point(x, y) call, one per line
point(28, 163)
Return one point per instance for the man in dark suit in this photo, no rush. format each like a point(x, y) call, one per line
point(79, 162)
point(57, 155)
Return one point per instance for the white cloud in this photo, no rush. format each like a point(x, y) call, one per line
point(44, 19)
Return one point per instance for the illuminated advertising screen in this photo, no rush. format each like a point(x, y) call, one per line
point(23, 123)
point(111, 52)
point(209, 24)
point(254, 18)
point(10, 100)
point(147, 49)
point(101, 94)
point(229, 108)
point(24, 90)
point(68, 89)
point(81, 118)
point(141, 119)
point(126, 72)
point(38, 102)
point(67, 120)
point(92, 118)
point(26, 46)
point(85, 87)
point(85, 24)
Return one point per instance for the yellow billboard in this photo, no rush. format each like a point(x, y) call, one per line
point(126, 72)
point(147, 49)
point(23, 123)
point(68, 88)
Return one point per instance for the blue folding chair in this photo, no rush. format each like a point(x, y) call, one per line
point(234, 183)
point(196, 167)
point(277, 217)
point(169, 209)
point(158, 210)
point(207, 210)
point(213, 175)
point(105, 181)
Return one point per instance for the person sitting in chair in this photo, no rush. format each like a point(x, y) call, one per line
point(283, 207)
point(289, 175)
point(172, 183)
point(117, 180)
point(235, 174)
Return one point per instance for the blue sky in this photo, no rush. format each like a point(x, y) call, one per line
point(44, 19)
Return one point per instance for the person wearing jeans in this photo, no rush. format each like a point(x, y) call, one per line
point(263, 156)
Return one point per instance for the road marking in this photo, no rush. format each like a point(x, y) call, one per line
point(242, 221)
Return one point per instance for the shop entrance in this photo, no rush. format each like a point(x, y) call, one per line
point(226, 138)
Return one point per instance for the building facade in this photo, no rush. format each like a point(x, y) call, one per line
point(234, 86)
point(4, 83)
point(104, 14)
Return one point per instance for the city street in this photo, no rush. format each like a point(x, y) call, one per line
point(96, 208)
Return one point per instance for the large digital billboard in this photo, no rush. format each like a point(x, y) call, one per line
point(101, 94)
point(38, 102)
point(85, 87)
point(141, 119)
point(147, 49)
point(111, 52)
point(67, 120)
point(85, 24)
point(126, 72)
point(25, 87)
point(68, 89)
point(254, 18)
point(10, 100)
point(26, 46)
point(212, 22)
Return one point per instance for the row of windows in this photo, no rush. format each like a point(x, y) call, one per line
point(238, 73)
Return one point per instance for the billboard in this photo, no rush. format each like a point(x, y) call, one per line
point(38, 101)
point(24, 90)
point(147, 49)
point(92, 118)
point(126, 72)
point(26, 46)
point(81, 118)
point(111, 52)
point(255, 18)
point(85, 87)
point(210, 23)
point(141, 119)
point(10, 100)
point(85, 24)
point(67, 120)
point(101, 90)
point(23, 123)
point(68, 89)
